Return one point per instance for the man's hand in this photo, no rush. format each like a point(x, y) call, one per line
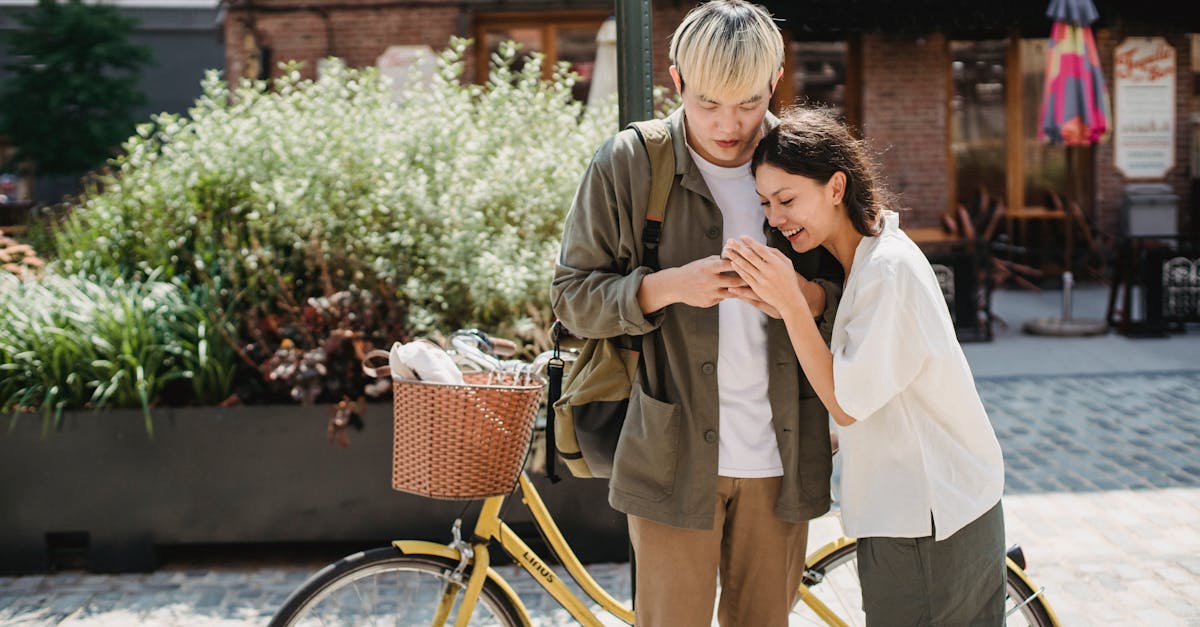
point(814, 294)
point(701, 283)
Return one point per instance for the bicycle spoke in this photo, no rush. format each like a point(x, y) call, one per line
point(837, 589)
point(842, 602)
point(392, 589)
point(363, 603)
point(321, 617)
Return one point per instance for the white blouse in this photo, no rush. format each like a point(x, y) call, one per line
point(922, 444)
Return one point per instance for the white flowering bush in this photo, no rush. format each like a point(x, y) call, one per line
point(451, 204)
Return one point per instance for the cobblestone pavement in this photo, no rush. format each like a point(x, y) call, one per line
point(1103, 493)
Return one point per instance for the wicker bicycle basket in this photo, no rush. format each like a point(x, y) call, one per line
point(463, 442)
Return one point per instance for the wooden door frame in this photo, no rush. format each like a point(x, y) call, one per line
point(548, 21)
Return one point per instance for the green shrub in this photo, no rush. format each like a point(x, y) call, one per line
point(302, 223)
point(450, 205)
point(71, 84)
point(70, 342)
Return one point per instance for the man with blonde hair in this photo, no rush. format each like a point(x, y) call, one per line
point(724, 455)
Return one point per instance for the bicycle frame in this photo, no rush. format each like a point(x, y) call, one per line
point(490, 527)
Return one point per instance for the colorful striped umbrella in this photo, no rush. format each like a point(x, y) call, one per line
point(1075, 109)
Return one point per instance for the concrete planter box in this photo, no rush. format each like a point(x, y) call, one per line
point(237, 475)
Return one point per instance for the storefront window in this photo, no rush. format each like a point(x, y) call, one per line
point(819, 73)
point(562, 36)
point(823, 73)
point(1045, 166)
point(977, 130)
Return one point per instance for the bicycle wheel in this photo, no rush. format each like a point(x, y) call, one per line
point(834, 580)
point(386, 587)
point(1034, 612)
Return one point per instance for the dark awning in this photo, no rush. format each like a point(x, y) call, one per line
point(823, 19)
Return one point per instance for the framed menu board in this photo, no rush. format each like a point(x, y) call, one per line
point(1144, 72)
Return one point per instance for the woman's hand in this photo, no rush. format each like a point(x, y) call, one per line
point(774, 285)
point(746, 294)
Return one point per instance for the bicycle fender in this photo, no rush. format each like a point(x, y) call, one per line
point(422, 547)
point(1016, 569)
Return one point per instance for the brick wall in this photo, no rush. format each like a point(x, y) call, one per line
point(357, 35)
point(360, 35)
point(663, 22)
point(904, 118)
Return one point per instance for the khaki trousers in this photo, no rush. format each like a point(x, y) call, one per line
point(760, 560)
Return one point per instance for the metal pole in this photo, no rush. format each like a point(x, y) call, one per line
point(635, 98)
point(1068, 285)
point(635, 61)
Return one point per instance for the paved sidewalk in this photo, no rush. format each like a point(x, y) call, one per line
point(1102, 447)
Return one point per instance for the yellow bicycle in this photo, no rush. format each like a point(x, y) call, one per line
point(415, 582)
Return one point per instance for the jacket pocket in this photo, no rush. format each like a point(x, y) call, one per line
point(648, 451)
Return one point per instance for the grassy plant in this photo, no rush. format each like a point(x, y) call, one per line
point(70, 342)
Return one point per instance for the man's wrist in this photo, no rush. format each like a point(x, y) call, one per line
point(655, 291)
point(814, 297)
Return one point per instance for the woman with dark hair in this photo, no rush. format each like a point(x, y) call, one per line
point(922, 470)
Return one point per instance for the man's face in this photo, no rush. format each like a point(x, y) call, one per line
point(723, 128)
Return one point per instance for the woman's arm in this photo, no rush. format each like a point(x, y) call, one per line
point(815, 358)
point(773, 280)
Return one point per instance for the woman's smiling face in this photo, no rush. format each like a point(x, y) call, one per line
point(804, 210)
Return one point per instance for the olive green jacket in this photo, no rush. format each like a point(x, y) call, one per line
point(666, 460)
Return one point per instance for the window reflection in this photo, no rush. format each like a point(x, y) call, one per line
point(819, 73)
point(977, 132)
point(568, 37)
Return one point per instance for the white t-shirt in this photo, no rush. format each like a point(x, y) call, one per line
point(923, 443)
point(747, 448)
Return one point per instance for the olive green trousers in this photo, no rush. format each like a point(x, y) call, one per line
point(957, 582)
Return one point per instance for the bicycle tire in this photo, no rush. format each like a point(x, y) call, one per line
point(1035, 611)
point(838, 572)
point(408, 579)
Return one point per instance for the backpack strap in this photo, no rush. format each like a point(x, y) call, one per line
point(656, 137)
point(556, 369)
